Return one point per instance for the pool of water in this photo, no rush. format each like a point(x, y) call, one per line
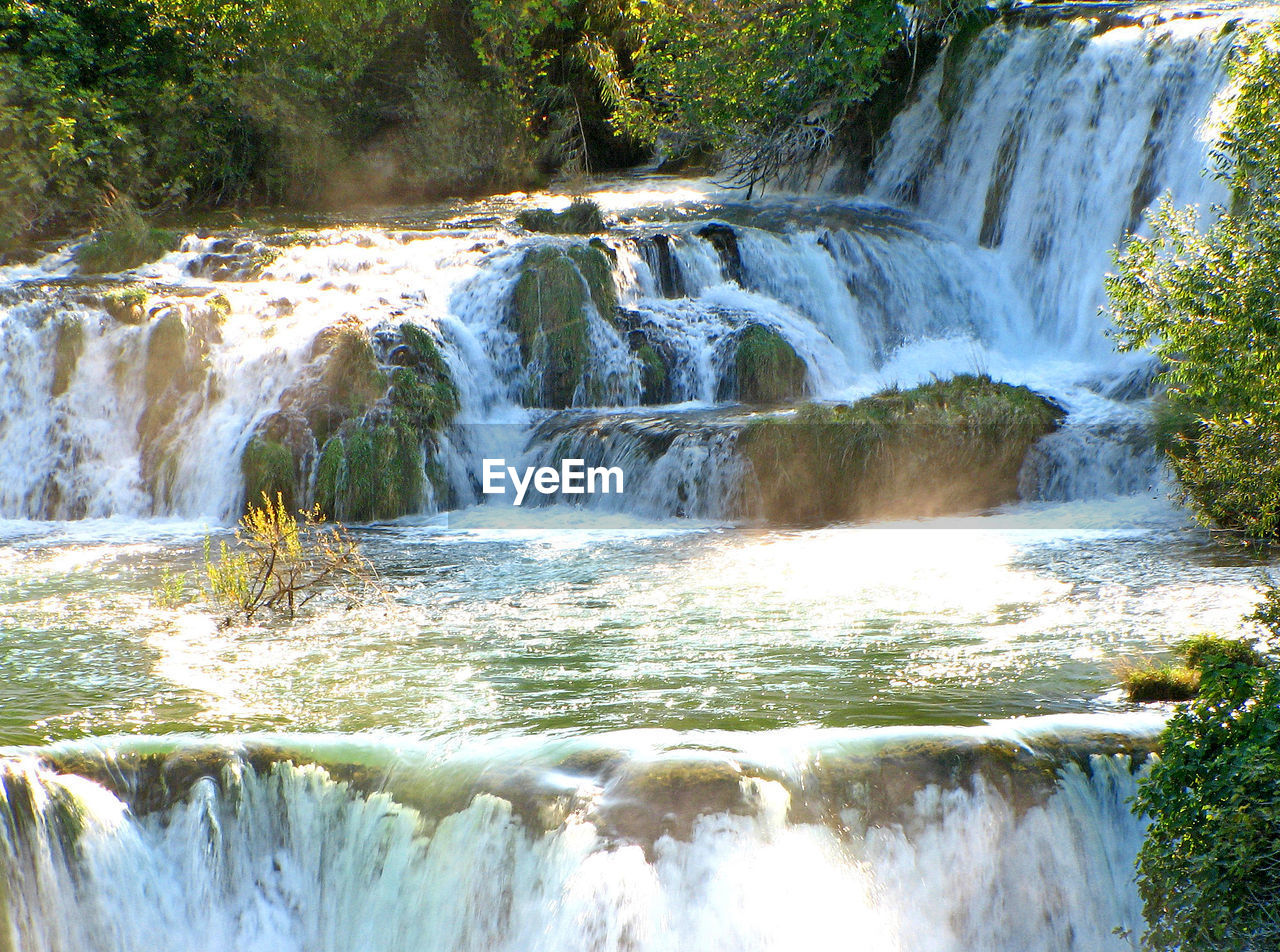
point(578, 623)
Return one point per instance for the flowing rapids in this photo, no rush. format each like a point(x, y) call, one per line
point(644, 721)
point(557, 848)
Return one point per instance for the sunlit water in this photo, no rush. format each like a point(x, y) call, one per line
point(612, 729)
point(620, 623)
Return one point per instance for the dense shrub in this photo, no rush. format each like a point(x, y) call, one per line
point(1209, 870)
point(1208, 302)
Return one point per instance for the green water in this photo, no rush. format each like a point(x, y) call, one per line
point(609, 626)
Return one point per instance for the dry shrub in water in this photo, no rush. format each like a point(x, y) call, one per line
point(280, 562)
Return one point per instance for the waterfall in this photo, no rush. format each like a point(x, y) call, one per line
point(270, 849)
point(1047, 143)
point(979, 246)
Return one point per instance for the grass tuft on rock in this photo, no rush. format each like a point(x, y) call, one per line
point(582, 217)
point(1164, 681)
point(1160, 682)
point(124, 241)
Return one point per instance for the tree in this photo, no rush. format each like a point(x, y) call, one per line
point(1209, 869)
point(1208, 303)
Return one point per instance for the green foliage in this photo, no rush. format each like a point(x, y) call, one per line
point(582, 217)
point(714, 70)
point(1197, 651)
point(267, 466)
point(766, 369)
point(1209, 870)
point(125, 241)
point(172, 590)
point(1208, 303)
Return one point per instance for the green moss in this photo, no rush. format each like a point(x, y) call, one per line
point(597, 270)
point(426, 406)
point(1161, 683)
point(582, 217)
point(949, 446)
point(426, 353)
point(950, 93)
point(329, 473)
point(67, 348)
point(267, 466)
point(126, 304)
point(371, 471)
point(653, 375)
point(548, 310)
point(766, 369)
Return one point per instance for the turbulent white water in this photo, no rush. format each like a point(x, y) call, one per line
point(288, 858)
point(979, 246)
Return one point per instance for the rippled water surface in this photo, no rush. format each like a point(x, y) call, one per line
point(596, 623)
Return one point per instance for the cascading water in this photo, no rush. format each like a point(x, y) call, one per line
point(979, 245)
point(269, 849)
point(522, 815)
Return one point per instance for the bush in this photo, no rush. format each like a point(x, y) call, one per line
point(279, 563)
point(125, 241)
point(1209, 869)
point(1208, 302)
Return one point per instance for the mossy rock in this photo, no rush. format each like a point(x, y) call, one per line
point(124, 247)
point(351, 380)
point(67, 348)
point(766, 370)
point(127, 305)
point(582, 217)
point(946, 447)
point(268, 469)
point(655, 380)
point(596, 269)
point(548, 311)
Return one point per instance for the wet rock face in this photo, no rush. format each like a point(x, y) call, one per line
point(232, 259)
point(357, 434)
point(948, 447)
